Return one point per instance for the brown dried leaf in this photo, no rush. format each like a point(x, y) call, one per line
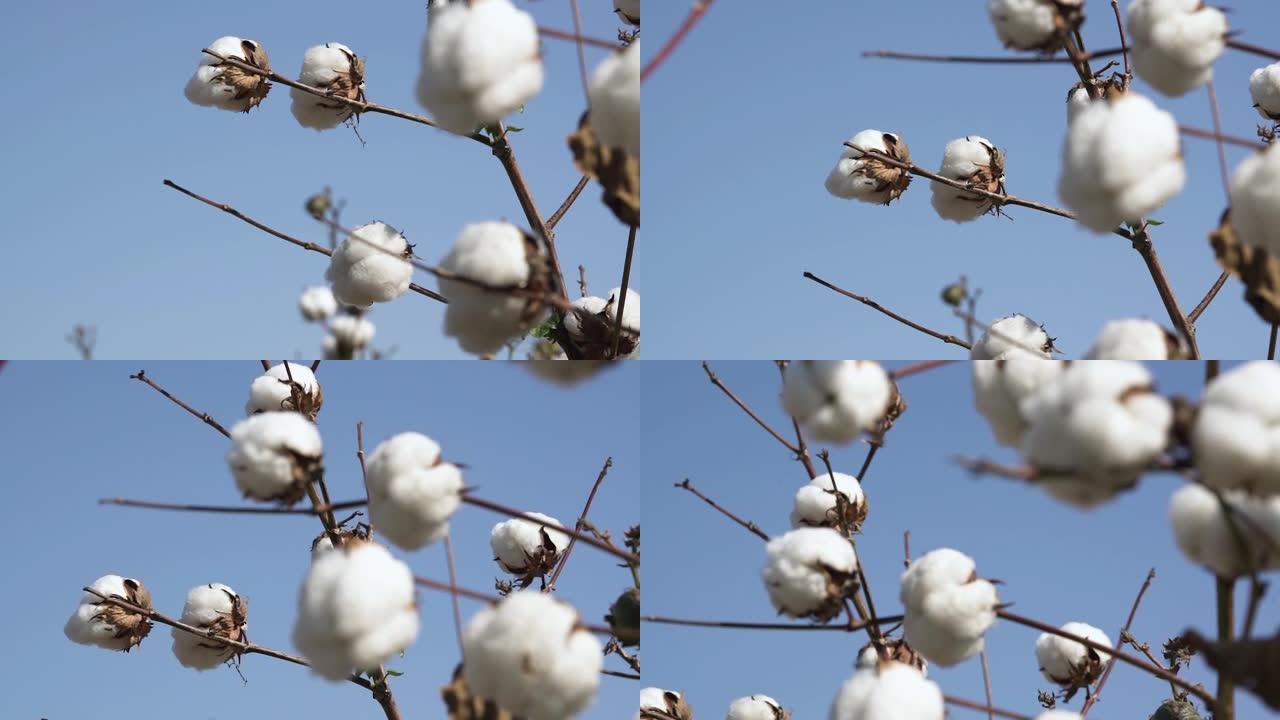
point(1259, 271)
point(462, 705)
point(616, 171)
point(1252, 664)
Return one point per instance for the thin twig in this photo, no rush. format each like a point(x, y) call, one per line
point(622, 291)
point(1203, 305)
point(568, 203)
point(917, 368)
point(715, 380)
point(1224, 707)
point(582, 58)
point(506, 155)
point(453, 599)
point(802, 447)
point(696, 12)
point(750, 525)
point(1124, 45)
point(1229, 139)
point(986, 683)
point(582, 517)
point(1111, 663)
point(576, 37)
point(991, 711)
point(1219, 142)
point(1147, 250)
point(1271, 345)
point(944, 337)
point(583, 537)
point(204, 417)
point(1254, 49)
point(987, 59)
point(845, 627)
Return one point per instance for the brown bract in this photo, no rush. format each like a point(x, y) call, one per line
point(1068, 17)
point(1082, 675)
point(676, 707)
point(1256, 268)
point(1253, 664)
point(348, 85)
point(889, 179)
point(127, 623)
point(615, 169)
point(462, 705)
point(537, 563)
point(249, 87)
point(596, 341)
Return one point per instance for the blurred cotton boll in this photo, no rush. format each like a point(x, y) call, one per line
point(370, 265)
point(274, 455)
point(219, 85)
point(1135, 339)
point(480, 62)
point(499, 255)
point(818, 503)
point(317, 304)
point(335, 69)
point(1229, 544)
point(757, 707)
point(667, 701)
point(356, 610)
point(526, 549)
point(837, 400)
point(280, 386)
point(1068, 663)
point(412, 491)
point(1175, 43)
point(614, 94)
point(1012, 336)
point(1035, 24)
point(1000, 387)
point(809, 572)
point(1264, 87)
point(857, 176)
point(110, 627)
point(1235, 440)
point(974, 161)
point(349, 335)
point(948, 607)
point(212, 607)
point(591, 322)
point(888, 691)
point(1255, 200)
point(531, 656)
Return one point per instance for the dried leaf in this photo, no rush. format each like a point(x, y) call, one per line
point(1252, 664)
point(1259, 271)
point(462, 705)
point(616, 171)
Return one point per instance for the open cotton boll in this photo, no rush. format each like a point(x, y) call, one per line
point(870, 179)
point(317, 303)
point(279, 387)
point(1255, 200)
point(1135, 339)
point(1205, 534)
point(888, 691)
point(217, 84)
point(1012, 336)
point(1235, 440)
point(1068, 663)
point(334, 68)
point(480, 62)
point(591, 325)
point(356, 610)
point(948, 607)
point(526, 549)
point(370, 265)
point(1093, 429)
point(666, 701)
point(809, 571)
point(816, 503)
point(1174, 43)
point(837, 400)
point(614, 95)
point(214, 607)
point(531, 655)
point(348, 336)
point(499, 255)
point(111, 627)
point(1000, 387)
point(1035, 24)
point(757, 707)
point(628, 11)
point(1264, 87)
point(274, 455)
point(1121, 161)
point(412, 491)
point(972, 160)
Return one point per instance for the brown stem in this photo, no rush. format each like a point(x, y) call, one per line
point(1203, 305)
point(1254, 49)
point(1271, 345)
point(918, 367)
point(802, 447)
point(622, 291)
point(750, 525)
point(1111, 664)
point(1147, 250)
point(1124, 45)
point(582, 58)
point(996, 60)
point(575, 37)
point(1224, 707)
point(453, 594)
point(231, 509)
point(700, 8)
point(949, 339)
point(988, 708)
point(568, 203)
point(854, 627)
point(1229, 139)
point(715, 380)
point(507, 157)
point(986, 684)
point(588, 539)
point(1218, 140)
point(582, 517)
point(204, 417)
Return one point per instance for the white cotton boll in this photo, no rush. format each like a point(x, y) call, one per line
point(815, 503)
point(808, 571)
point(667, 701)
point(99, 623)
point(215, 607)
point(332, 67)
point(531, 656)
point(628, 11)
point(274, 455)
point(591, 325)
point(1093, 429)
point(948, 607)
point(614, 95)
point(228, 88)
point(1236, 437)
point(870, 180)
point(1034, 24)
point(1255, 200)
point(1068, 663)
point(1205, 533)
point(1000, 387)
point(317, 303)
point(1077, 100)
point(975, 161)
point(523, 547)
point(370, 265)
point(273, 390)
point(480, 62)
point(1264, 87)
point(1121, 161)
point(1134, 339)
point(1174, 43)
point(1012, 336)
point(837, 400)
point(888, 691)
point(497, 254)
point(412, 491)
point(356, 610)
point(757, 707)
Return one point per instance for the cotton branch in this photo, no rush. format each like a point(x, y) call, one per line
point(700, 8)
point(1133, 612)
point(848, 627)
point(577, 38)
point(204, 417)
point(949, 339)
point(622, 291)
point(750, 525)
point(988, 708)
point(582, 518)
point(990, 60)
point(715, 380)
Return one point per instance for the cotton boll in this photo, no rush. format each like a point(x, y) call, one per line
point(888, 691)
point(531, 656)
point(317, 303)
point(1000, 387)
point(667, 701)
point(279, 387)
point(212, 607)
point(757, 707)
point(1264, 87)
point(948, 607)
point(348, 336)
point(1235, 440)
point(1174, 43)
point(591, 322)
point(1068, 663)
point(412, 491)
point(974, 161)
point(1205, 533)
point(1077, 100)
point(816, 503)
point(499, 255)
point(809, 572)
point(356, 610)
point(480, 62)
point(837, 400)
point(526, 549)
point(1012, 336)
point(1035, 24)
point(614, 94)
point(111, 627)
point(870, 179)
point(1093, 429)
point(219, 85)
point(628, 11)
point(274, 455)
point(334, 68)
point(370, 265)
point(1255, 200)
point(1121, 161)
point(1135, 339)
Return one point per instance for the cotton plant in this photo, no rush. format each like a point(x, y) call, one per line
point(317, 303)
point(412, 490)
point(216, 609)
point(350, 334)
point(838, 400)
point(614, 96)
point(1264, 88)
point(339, 72)
point(218, 84)
point(287, 386)
point(1070, 664)
point(1235, 439)
point(888, 690)
point(275, 455)
point(526, 549)
point(948, 608)
point(1012, 336)
point(1230, 537)
point(1001, 386)
point(531, 656)
point(1040, 25)
point(858, 176)
point(670, 702)
point(977, 163)
point(1255, 201)
point(1135, 339)
point(371, 265)
point(809, 572)
point(833, 500)
point(1175, 43)
point(101, 624)
point(757, 707)
point(591, 321)
point(628, 11)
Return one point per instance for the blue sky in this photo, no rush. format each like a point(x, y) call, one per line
point(1059, 564)
point(745, 120)
point(73, 433)
point(96, 239)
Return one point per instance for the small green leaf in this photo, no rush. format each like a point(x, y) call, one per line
point(393, 673)
point(514, 128)
point(546, 330)
point(1153, 221)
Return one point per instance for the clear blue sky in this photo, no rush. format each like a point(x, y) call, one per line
point(746, 119)
point(94, 237)
point(73, 433)
point(1058, 564)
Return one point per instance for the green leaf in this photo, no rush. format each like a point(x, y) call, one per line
point(514, 128)
point(1153, 221)
point(546, 330)
point(393, 673)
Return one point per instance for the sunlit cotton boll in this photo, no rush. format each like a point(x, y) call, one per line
point(212, 607)
point(1134, 339)
point(948, 607)
point(1174, 43)
point(591, 325)
point(614, 94)
point(757, 707)
point(274, 455)
point(497, 254)
point(1235, 440)
point(480, 62)
point(857, 176)
point(111, 627)
point(317, 303)
point(1121, 161)
point(816, 503)
point(523, 547)
point(334, 68)
point(412, 490)
point(1264, 87)
point(974, 161)
point(356, 610)
point(1000, 386)
point(668, 701)
point(628, 11)
point(1068, 663)
point(274, 390)
point(219, 85)
point(837, 400)
point(1205, 534)
point(1255, 200)
point(1034, 24)
point(348, 336)
point(370, 265)
point(1093, 429)
point(1012, 336)
point(888, 691)
point(531, 656)
point(808, 572)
